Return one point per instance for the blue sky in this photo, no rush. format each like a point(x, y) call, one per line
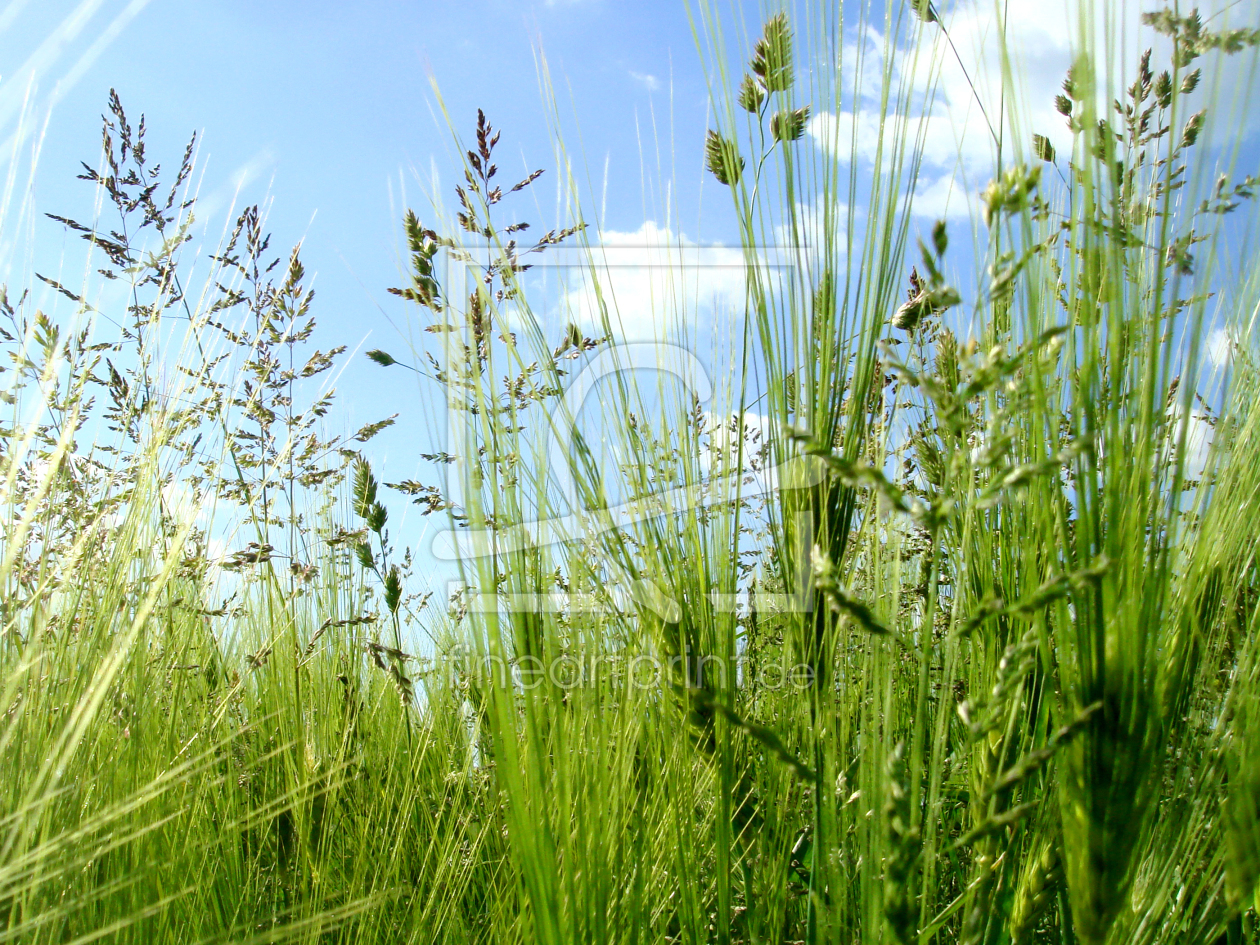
point(325, 111)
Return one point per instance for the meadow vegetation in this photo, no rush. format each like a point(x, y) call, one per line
point(938, 624)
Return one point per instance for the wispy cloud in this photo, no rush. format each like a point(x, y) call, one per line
point(14, 91)
point(226, 195)
point(649, 82)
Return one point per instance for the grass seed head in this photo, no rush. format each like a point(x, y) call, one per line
point(751, 95)
point(722, 158)
point(772, 56)
point(789, 124)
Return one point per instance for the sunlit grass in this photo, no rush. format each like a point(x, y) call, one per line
point(936, 624)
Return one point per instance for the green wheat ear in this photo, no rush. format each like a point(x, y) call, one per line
point(364, 490)
point(722, 158)
point(751, 95)
point(393, 589)
point(772, 56)
point(789, 124)
point(925, 11)
point(992, 729)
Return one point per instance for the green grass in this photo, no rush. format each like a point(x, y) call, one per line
point(998, 641)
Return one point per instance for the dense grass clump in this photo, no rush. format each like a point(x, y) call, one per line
point(938, 624)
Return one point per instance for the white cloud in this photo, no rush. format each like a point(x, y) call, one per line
point(966, 85)
point(654, 278)
point(946, 141)
point(722, 453)
point(654, 281)
point(1220, 348)
point(649, 82)
point(945, 198)
point(1199, 430)
point(723, 431)
point(945, 189)
point(963, 73)
point(806, 243)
